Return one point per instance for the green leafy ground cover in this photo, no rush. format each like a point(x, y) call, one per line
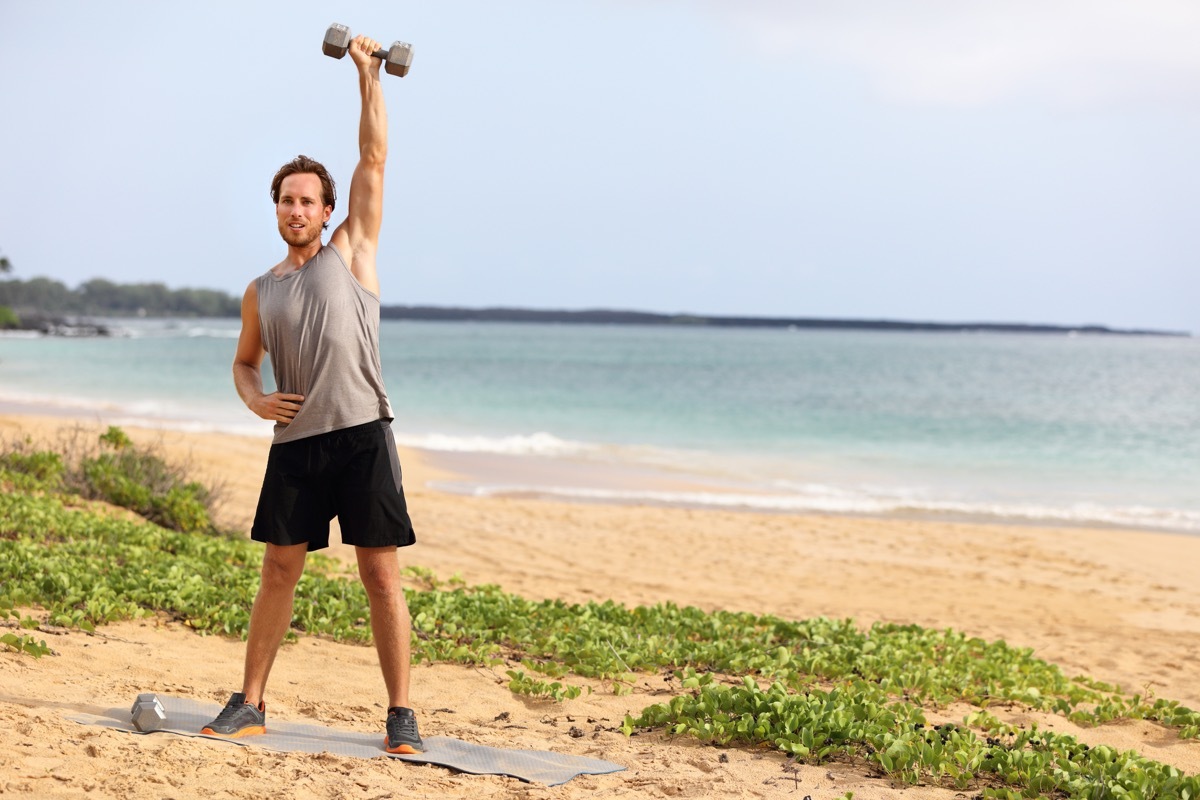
point(816, 689)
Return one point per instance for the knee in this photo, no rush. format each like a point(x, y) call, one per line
point(280, 574)
point(382, 585)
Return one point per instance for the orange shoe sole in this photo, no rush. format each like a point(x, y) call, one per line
point(402, 750)
point(252, 730)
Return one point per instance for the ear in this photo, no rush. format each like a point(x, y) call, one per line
point(328, 213)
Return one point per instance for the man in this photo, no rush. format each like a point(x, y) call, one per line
point(317, 314)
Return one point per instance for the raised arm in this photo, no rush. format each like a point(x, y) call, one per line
point(358, 237)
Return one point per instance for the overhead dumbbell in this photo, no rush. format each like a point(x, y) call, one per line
point(396, 59)
point(148, 713)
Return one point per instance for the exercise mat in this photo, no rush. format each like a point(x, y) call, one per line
point(185, 717)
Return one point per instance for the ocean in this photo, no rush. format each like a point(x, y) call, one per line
point(1090, 430)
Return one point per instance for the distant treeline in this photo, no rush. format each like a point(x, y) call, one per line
point(607, 317)
point(41, 297)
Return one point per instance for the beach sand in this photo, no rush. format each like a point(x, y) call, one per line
point(1120, 606)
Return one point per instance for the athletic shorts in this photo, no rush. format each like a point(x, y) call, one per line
point(352, 474)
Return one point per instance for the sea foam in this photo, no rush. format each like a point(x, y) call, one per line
point(534, 444)
point(835, 500)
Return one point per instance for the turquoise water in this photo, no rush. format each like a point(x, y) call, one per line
point(1081, 429)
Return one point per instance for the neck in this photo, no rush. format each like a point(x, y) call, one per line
point(299, 256)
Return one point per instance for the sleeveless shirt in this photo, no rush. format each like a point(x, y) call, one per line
point(321, 329)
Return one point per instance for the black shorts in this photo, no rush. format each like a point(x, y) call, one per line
point(352, 474)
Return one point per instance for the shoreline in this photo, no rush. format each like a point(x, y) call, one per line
point(746, 448)
point(602, 478)
point(638, 485)
point(583, 479)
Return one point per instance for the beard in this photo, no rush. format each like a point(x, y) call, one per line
point(300, 238)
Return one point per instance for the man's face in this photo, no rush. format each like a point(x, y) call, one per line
point(300, 212)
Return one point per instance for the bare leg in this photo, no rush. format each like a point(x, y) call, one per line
point(379, 569)
point(271, 615)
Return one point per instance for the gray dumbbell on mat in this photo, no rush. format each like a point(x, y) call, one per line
point(396, 59)
point(148, 713)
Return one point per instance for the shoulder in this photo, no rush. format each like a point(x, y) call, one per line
point(250, 297)
point(358, 264)
point(339, 243)
point(339, 253)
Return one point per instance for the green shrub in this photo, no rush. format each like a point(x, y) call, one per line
point(116, 438)
point(43, 467)
point(118, 472)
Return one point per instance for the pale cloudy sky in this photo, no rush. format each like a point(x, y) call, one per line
point(1024, 160)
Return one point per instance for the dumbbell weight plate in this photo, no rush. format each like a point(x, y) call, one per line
point(398, 59)
point(147, 713)
point(337, 41)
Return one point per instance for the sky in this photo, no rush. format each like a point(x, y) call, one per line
point(994, 161)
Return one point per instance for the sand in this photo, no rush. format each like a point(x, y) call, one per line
point(1120, 606)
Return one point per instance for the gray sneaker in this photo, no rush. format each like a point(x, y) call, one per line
point(238, 719)
point(402, 736)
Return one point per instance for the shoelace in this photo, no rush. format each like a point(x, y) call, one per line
point(230, 711)
point(402, 727)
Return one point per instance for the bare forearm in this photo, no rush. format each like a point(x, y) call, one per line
point(247, 380)
point(372, 126)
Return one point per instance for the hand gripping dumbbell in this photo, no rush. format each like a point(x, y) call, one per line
point(396, 59)
point(148, 713)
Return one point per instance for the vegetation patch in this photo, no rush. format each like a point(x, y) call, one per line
point(113, 469)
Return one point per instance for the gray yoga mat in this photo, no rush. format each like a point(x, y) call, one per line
point(186, 717)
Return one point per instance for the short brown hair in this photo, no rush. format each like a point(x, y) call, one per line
point(305, 164)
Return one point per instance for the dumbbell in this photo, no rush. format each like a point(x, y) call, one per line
point(148, 713)
point(396, 59)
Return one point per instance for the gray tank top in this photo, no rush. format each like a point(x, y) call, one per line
point(321, 329)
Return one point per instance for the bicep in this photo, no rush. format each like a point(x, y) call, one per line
point(250, 350)
point(365, 215)
point(358, 237)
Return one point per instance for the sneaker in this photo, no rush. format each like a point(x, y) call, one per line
point(402, 736)
point(238, 719)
